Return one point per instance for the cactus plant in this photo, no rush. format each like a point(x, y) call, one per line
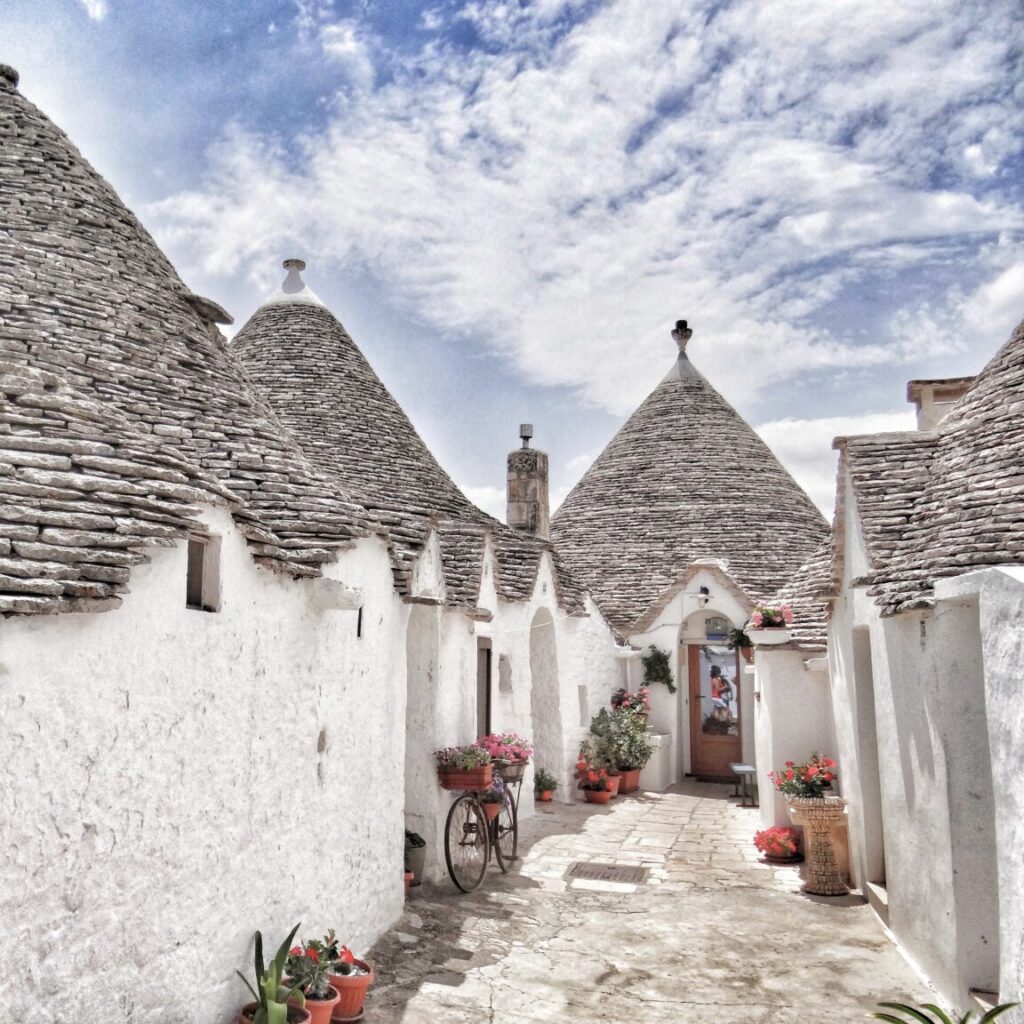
point(915, 1015)
point(270, 994)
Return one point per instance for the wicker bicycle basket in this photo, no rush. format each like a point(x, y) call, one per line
point(510, 771)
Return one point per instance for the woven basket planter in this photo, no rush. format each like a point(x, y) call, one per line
point(510, 771)
point(820, 817)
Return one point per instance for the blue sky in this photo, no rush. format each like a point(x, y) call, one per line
point(509, 203)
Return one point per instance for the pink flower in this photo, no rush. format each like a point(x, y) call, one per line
point(756, 619)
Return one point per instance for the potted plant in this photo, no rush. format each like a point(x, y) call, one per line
point(350, 976)
point(307, 968)
point(415, 855)
point(271, 995)
point(593, 780)
point(638, 703)
point(769, 625)
point(739, 641)
point(779, 844)
point(657, 668)
point(407, 880)
point(632, 748)
point(467, 767)
point(493, 798)
point(510, 753)
point(804, 786)
point(544, 785)
point(916, 1014)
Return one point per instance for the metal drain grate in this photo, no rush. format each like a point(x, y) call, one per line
point(608, 872)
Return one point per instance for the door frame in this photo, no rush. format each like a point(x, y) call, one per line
point(484, 690)
point(697, 735)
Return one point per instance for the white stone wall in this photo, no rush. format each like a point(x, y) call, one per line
point(793, 718)
point(171, 780)
point(926, 765)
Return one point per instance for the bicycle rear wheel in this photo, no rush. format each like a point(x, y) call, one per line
point(467, 842)
point(506, 832)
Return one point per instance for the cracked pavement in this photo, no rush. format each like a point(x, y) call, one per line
point(714, 935)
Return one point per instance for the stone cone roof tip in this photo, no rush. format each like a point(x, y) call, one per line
point(684, 479)
point(294, 288)
point(327, 394)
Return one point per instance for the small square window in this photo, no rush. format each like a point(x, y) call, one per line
point(202, 588)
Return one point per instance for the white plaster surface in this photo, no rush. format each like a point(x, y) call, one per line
point(172, 780)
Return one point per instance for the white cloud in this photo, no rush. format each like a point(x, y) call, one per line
point(343, 43)
point(96, 9)
point(804, 446)
point(566, 198)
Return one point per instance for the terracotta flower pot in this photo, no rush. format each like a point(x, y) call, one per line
point(352, 989)
point(629, 780)
point(416, 857)
point(492, 810)
point(613, 785)
point(478, 778)
point(361, 1015)
point(597, 796)
point(408, 880)
point(544, 796)
point(320, 1010)
point(296, 1014)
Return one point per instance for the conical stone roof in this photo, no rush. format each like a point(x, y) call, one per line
point(321, 386)
point(87, 297)
point(967, 502)
point(684, 479)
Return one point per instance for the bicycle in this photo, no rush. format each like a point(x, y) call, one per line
point(471, 836)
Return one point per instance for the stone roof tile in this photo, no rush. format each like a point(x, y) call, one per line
point(89, 300)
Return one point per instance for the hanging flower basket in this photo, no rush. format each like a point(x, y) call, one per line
point(510, 771)
point(769, 626)
point(467, 767)
point(477, 778)
point(770, 637)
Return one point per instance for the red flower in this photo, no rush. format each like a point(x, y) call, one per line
point(312, 954)
point(827, 776)
point(345, 955)
point(790, 775)
point(790, 764)
point(295, 951)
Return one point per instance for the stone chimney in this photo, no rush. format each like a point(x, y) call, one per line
point(528, 488)
point(933, 398)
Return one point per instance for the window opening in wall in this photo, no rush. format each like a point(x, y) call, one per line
point(483, 686)
point(359, 624)
point(202, 584)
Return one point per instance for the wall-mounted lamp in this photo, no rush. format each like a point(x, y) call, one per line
point(703, 596)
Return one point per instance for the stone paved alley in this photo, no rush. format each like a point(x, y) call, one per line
point(712, 936)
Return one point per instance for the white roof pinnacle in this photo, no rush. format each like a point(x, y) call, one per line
point(294, 289)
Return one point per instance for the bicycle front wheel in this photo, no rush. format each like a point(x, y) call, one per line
point(506, 832)
point(467, 842)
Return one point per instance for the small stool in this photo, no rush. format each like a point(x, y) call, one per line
point(745, 786)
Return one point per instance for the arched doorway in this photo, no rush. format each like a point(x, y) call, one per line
point(422, 648)
point(545, 701)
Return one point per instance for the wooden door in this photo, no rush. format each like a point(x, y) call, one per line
point(483, 686)
point(715, 737)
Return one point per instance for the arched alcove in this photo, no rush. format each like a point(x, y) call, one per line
point(422, 649)
point(545, 702)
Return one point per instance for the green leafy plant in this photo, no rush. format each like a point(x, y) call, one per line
point(271, 994)
point(737, 640)
point(544, 781)
point(916, 1014)
point(657, 668)
point(631, 743)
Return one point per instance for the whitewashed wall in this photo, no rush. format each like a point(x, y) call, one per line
point(925, 822)
point(793, 718)
point(171, 780)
